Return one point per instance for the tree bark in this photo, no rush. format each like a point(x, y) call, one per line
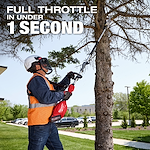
point(103, 87)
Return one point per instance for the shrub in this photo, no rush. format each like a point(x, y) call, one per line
point(115, 115)
point(124, 122)
point(133, 124)
point(85, 122)
point(145, 122)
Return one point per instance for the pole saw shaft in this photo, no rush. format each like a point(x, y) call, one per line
point(87, 61)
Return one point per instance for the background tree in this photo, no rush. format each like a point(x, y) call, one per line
point(140, 99)
point(74, 113)
point(120, 105)
point(23, 112)
point(15, 110)
point(67, 114)
point(4, 108)
point(120, 101)
point(130, 18)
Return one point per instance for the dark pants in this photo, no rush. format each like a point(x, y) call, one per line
point(41, 135)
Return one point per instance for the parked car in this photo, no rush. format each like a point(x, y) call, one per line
point(24, 121)
point(81, 119)
point(93, 118)
point(89, 119)
point(67, 122)
point(17, 121)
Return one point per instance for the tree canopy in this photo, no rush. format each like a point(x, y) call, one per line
point(130, 18)
point(120, 101)
point(9, 112)
point(15, 110)
point(140, 98)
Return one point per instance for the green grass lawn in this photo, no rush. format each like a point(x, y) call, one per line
point(138, 135)
point(13, 137)
point(133, 135)
point(71, 143)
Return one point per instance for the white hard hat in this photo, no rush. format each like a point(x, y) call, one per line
point(29, 60)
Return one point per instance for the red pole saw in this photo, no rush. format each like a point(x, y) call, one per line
point(61, 108)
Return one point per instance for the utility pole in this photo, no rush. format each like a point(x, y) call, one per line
point(128, 104)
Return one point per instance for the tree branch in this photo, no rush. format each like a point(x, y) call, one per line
point(86, 3)
point(75, 51)
point(114, 9)
point(124, 14)
point(133, 42)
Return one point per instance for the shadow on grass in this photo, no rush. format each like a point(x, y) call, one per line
point(146, 139)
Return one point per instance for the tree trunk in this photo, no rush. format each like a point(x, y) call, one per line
point(103, 87)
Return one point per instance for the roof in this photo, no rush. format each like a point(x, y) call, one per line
point(1, 99)
point(2, 69)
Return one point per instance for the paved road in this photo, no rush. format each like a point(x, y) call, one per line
point(113, 123)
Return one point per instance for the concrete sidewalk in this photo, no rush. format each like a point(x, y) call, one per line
point(134, 144)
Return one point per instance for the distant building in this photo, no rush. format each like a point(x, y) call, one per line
point(81, 109)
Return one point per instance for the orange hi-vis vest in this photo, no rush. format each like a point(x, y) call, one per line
point(38, 114)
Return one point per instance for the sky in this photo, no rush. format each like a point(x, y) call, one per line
point(15, 78)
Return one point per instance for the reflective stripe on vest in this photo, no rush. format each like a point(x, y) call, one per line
point(38, 114)
point(36, 105)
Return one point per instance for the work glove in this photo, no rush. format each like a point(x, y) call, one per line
point(67, 95)
point(70, 75)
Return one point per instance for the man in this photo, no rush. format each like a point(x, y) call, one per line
point(43, 96)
